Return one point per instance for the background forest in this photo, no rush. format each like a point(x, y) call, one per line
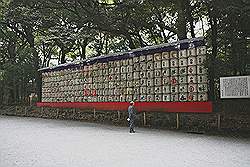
point(41, 33)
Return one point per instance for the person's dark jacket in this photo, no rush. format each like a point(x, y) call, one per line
point(131, 112)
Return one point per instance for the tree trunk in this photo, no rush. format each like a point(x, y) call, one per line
point(211, 75)
point(181, 20)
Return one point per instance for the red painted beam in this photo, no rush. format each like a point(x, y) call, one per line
point(178, 107)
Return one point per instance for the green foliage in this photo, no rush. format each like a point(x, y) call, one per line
point(34, 33)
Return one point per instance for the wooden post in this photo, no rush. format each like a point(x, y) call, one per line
point(16, 110)
point(177, 121)
point(119, 115)
point(218, 121)
point(144, 119)
point(25, 111)
point(74, 113)
point(94, 112)
point(57, 113)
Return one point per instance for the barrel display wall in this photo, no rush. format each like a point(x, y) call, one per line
point(172, 72)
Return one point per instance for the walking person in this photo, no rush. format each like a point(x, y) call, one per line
point(131, 117)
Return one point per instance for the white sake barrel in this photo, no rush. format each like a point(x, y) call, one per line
point(143, 66)
point(165, 55)
point(174, 63)
point(150, 90)
point(158, 81)
point(136, 59)
point(166, 81)
point(94, 86)
point(122, 98)
point(111, 64)
point(191, 52)
point(136, 97)
point(158, 90)
point(143, 97)
point(110, 91)
point(117, 98)
point(124, 77)
point(174, 89)
point(174, 71)
point(123, 84)
point(192, 61)
point(100, 85)
point(143, 74)
point(165, 63)
point(157, 64)
point(201, 70)
point(202, 88)
point(117, 91)
point(157, 73)
point(201, 50)
point(100, 99)
point(192, 96)
point(95, 67)
point(123, 69)
point(129, 98)
point(166, 97)
point(150, 74)
point(183, 53)
point(173, 54)
point(130, 83)
point(182, 62)
point(150, 82)
point(183, 88)
point(192, 88)
point(137, 83)
point(150, 65)
point(150, 98)
point(192, 70)
point(143, 82)
point(136, 75)
point(130, 62)
point(137, 90)
point(129, 68)
point(106, 98)
point(117, 77)
point(130, 91)
point(183, 71)
point(158, 98)
point(129, 76)
point(150, 57)
point(117, 70)
point(142, 58)
point(192, 79)
point(183, 96)
point(174, 80)
point(118, 64)
point(202, 97)
point(125, 62)
point(165, 72)
point(165, 89)
point(174, 97)
point(157, 57)
point(202, 79)
point(201, 59)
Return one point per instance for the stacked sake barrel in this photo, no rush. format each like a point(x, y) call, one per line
point(172, 75)
point(62, 86)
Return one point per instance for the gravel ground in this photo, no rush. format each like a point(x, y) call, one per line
point(33, 142)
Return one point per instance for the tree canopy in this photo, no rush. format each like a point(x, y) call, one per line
point(40, 33)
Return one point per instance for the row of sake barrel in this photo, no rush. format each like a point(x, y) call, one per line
point(171, 76)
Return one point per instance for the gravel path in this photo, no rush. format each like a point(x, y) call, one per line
point(33, 142)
